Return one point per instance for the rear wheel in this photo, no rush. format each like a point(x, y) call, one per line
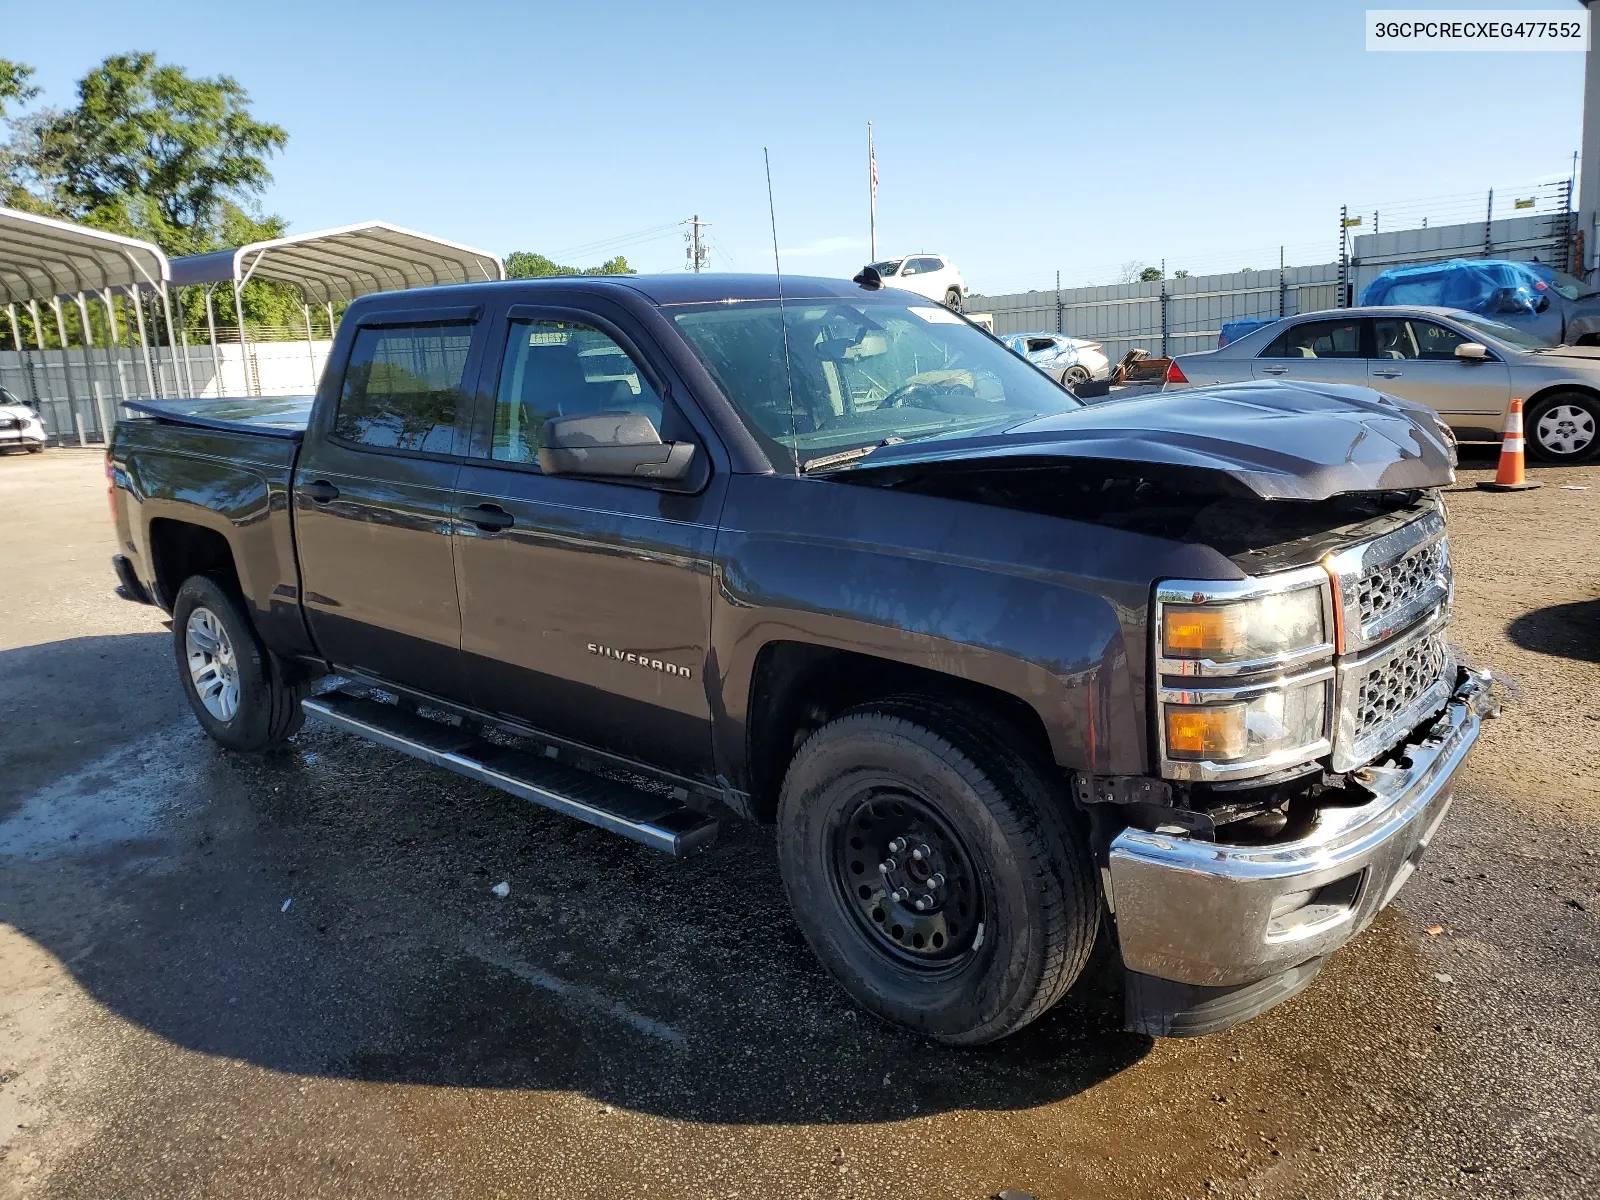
point(36, 448)
point(938, 875)
point(952, 299)
point(1561, 428)
point(239, 690)
point(1073, 376)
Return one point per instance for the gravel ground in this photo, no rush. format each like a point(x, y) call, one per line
point(288, 975)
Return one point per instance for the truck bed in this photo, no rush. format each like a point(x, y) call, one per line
point(270, 416)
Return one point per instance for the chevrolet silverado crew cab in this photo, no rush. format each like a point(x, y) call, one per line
point(1008, 673)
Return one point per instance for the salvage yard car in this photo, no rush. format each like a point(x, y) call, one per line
point(1008, 673)
point(1070, 360)
point(20, 427)
point(1465, 367)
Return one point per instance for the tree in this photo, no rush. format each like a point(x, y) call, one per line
point(1150, 274)
point(1130, 271)
point(525, 264)
point(153, 152)
point(1180, 274)
point(14, 85)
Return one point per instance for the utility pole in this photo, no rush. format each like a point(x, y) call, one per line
point(697, 252)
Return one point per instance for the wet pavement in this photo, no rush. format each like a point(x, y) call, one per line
point(288, 975)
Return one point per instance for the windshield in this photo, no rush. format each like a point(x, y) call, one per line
point(1501, 332)
point(863, 372)
point(888, 268)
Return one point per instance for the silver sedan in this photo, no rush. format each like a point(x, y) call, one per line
point(1463, 366)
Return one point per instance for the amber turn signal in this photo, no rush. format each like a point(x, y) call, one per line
point(1192, 632)
point(1216, 732)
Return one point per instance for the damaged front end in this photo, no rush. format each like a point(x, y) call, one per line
point(1306, 716)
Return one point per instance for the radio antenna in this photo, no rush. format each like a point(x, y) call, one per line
point(783, 321)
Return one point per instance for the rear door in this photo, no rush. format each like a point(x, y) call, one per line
point(586, 604)
point(373, 499)
point(1323, 351)
point(1416, 360)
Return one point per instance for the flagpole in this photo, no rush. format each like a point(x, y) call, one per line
point(872, 193)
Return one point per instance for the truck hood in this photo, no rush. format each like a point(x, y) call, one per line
point(1275, 441)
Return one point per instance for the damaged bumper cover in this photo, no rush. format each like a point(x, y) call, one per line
point(1213, 934)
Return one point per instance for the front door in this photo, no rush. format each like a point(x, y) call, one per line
point(1317, 351)
point(1416, 360)
point(586, 604)
point(373, 504)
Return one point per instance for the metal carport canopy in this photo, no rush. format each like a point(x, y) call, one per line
point(341, 264)
point(42, 258)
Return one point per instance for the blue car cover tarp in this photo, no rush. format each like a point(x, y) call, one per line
point(1480, 285)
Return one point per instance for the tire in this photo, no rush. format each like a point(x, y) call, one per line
point(1017, 905)
point(1075, 375)
point(952, 300)
point(37, 448)
point(237, 688)
point(1563, 427)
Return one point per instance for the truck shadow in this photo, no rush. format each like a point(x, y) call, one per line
point(1569, 630)
point(327, 910)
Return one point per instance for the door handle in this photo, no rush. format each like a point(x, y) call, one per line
point(1391, 373)
point(490, 518)
point(320, 492)
point(1274, 370)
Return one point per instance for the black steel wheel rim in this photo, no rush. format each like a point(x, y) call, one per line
point(907, 878)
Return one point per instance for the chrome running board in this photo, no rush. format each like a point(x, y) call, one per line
point(663, 822)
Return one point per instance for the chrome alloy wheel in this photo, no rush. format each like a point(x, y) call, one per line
point(212, 666)
point(1565, 429)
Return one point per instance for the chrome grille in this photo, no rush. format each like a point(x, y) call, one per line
point(1390, 691)
point(1395, 587)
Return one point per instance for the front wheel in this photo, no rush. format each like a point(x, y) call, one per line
point(1561, 428)
point(937, 875)
point(36, 448)
point(238, 689)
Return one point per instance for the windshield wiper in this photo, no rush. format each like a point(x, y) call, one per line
point(845, 456)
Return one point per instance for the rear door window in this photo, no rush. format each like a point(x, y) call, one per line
point(404, 387)
point(1318, 339)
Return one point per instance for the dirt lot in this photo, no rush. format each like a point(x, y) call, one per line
point(288, 976)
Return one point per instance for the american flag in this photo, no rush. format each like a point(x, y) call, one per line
point(872, 161)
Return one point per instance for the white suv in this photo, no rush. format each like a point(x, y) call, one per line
point(930, 275)
point(19, 424)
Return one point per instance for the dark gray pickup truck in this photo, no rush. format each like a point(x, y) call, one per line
point(1008, 673)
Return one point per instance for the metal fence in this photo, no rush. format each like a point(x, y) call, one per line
point(1176, 316)
point(1165, 316)
point(79, 394)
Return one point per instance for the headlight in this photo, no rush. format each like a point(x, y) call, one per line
point(1263, 726)
point(1244, 630)
point(1243, 674)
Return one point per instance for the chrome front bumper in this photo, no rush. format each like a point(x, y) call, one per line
point(1220, 916)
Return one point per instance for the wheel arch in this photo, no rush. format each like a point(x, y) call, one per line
point(179, 549)
point(796, 687)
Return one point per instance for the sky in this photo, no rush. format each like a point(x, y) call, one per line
point(1020, 140)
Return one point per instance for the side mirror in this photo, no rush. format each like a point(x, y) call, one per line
point(1506, 300)
point(1472, 351)
point(611, 445)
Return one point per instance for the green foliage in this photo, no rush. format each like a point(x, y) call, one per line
point(525, 264)
point(14, 83)
point(153, 152)
point(1180, 274)
point(1150, 274)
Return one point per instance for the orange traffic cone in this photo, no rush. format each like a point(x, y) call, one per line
point(1509, 478)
